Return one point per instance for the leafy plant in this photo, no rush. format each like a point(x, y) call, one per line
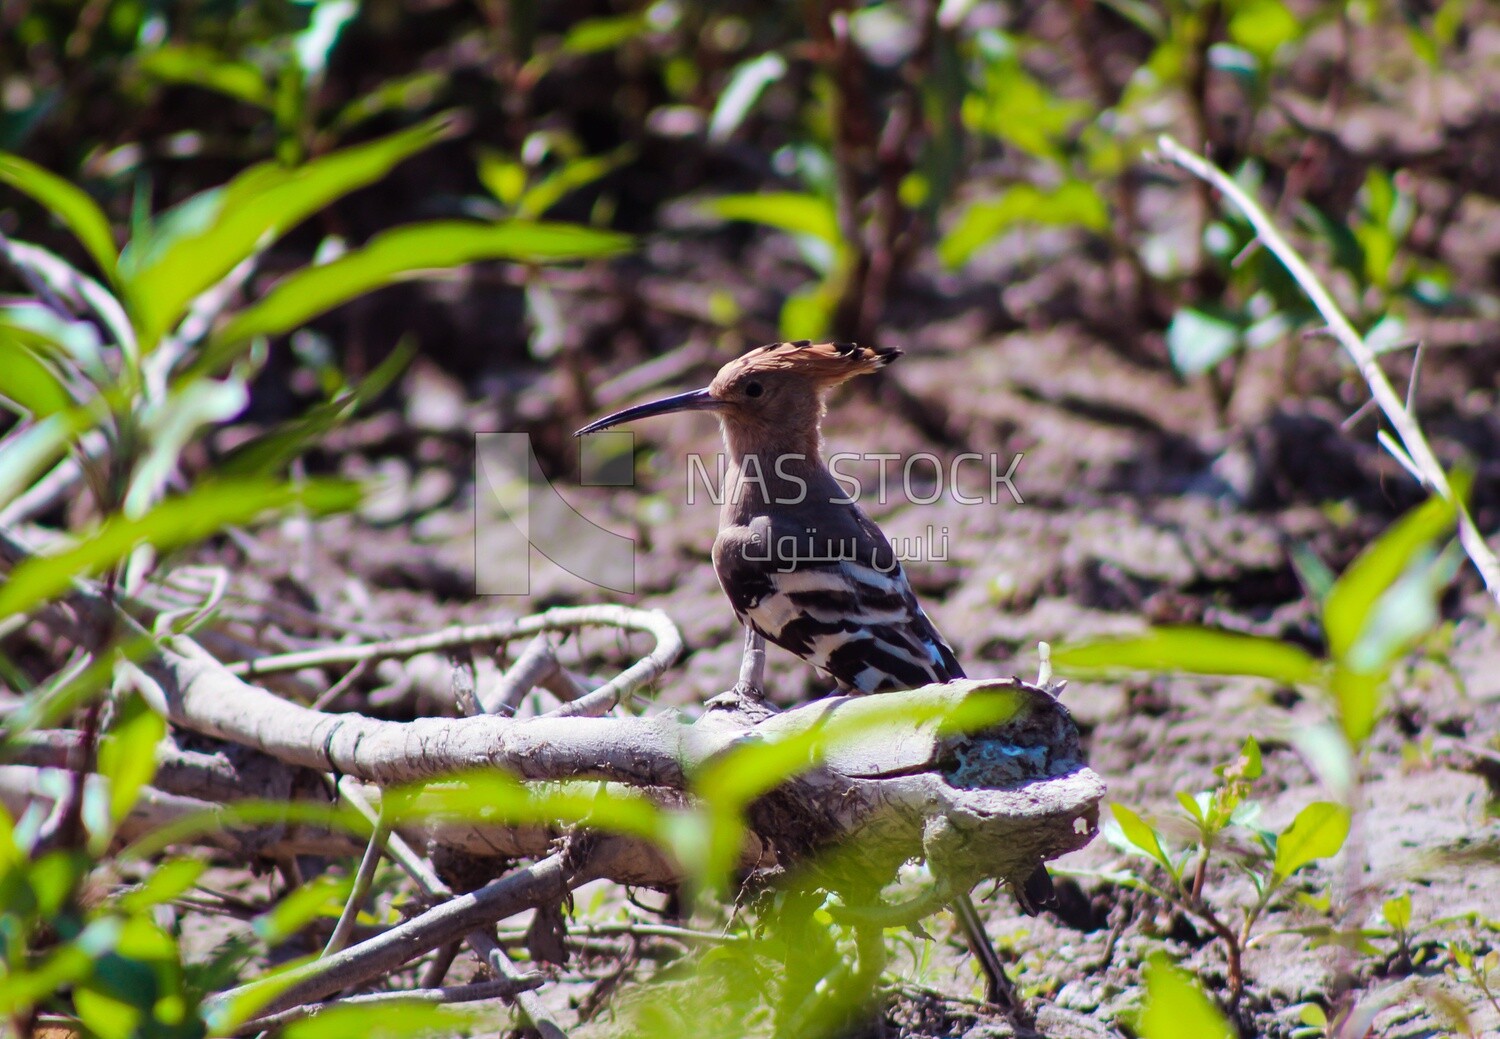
point(1215, 819)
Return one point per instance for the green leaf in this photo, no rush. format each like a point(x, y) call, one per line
point(409, 252)
point(1397, 912)
point(167, 881)
point(1318, 832)
point(1177, 1008)
point(1191, 806)
point(574, 174)
point(746, 84)
point(1351, 601)
point(1250, 754)
point(127, 754)
point(322, 897)
point(1263, 26)
point(268, 454)
point(502, 176)
point(170, 424)
point(1140, 834)
point(207, 509)
point(1199, 339)
point(26, 379)
point(1019, 109)
point(392, 1020)
point(31, 451)
point(404, 93)
point(193, 246)
point(592, 35)
point(68, 203)
point(199, 66)
point(806, 315)
point(1199, 651)
point(1074, 203)
point(810, 215)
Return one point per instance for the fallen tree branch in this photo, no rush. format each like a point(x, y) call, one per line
point(888, 786)
point(1423, 462)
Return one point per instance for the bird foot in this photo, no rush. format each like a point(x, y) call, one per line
point(742, 698)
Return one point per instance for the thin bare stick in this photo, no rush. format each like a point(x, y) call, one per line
point(1413, 440)
point(525, 888)
point(653, 622)
point(361, 889)
point(535, 663)
point(482, 942)
point(504, 988)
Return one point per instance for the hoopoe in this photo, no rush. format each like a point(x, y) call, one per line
point(802, 564)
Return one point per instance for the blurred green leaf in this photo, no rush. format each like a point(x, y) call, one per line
point(592, 35)
point(222, 818)
point(746, 84)
point(1317, 576)
point(321, 897)
point(315, 43)
point(1141, 836)
point(1263, 26)
point(201, 66)
point(502, 176)
point(127, 754)
point(408, 252)
point(68, 203)
point(269, 454)
point(1318, 832)
point(409, 93)
point(794, 213)
point(490, 796)
point(574, 174)
point(390, 1020)
point(1074, 203)
point(171, 423)
point(806, 315)
point(26, 379)
point(1200, 651)
point(1350, 603)
point(193, 246)
point(169, 880)
point(203, 511)
point(1177, 1008)
point(1198, 339)
point(1016, 107)
point(1397, 912)
point(29, 452)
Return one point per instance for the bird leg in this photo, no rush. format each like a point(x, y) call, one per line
point(999, 989)
point(751, 684)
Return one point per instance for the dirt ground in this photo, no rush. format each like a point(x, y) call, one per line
point(1136, 510)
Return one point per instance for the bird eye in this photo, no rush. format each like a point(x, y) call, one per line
point(754, 389)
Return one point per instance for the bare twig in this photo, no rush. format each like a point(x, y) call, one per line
point(549, 879)
point(652, 622)
point(361, 889)
point(535, 663)
point(504, 988)
point(1425, 464)
point(481, 941)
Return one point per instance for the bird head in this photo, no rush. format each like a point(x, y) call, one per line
point(773, 388)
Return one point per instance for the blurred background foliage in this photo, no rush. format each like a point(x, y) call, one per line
point(817, 168)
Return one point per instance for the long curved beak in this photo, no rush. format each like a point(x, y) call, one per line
point(693, 400)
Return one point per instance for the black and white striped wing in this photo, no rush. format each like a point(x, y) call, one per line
point(856, 619)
